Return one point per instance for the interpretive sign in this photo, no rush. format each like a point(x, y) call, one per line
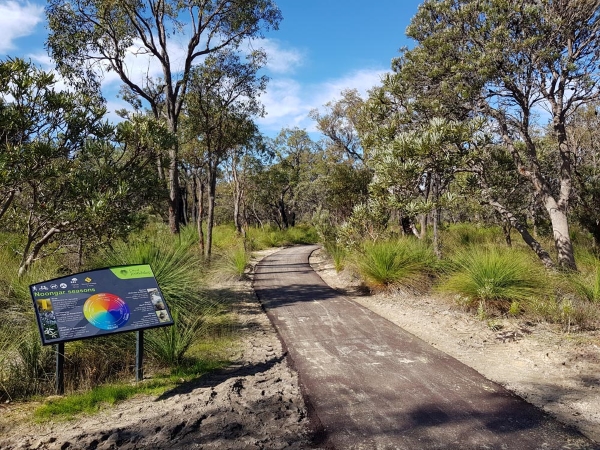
point(99, 302)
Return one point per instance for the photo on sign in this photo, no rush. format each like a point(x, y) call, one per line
point(163, 316)
point(47, 318)
point(156, 299)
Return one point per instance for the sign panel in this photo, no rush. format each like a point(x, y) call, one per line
point(99, 302)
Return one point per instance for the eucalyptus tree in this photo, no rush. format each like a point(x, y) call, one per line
point(341, 122)
point(244, 161)
point(336, 184)
point(290, 175)
point(220, 106)
point(90, 37)
point(507, 60)
point(584, 136)
point(69, 176)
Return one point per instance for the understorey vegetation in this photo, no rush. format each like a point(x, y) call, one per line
point(446, 179)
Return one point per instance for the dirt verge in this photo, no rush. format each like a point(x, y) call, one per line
point(255, 404)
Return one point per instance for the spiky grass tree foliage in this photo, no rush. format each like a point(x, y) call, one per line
point(25, 366)
point(230, 264)
point(178, 270)
point(168, 345)
point(587, 283)
point(495, 275)
point(176, 265)
point(394, 264)
point(338, 254)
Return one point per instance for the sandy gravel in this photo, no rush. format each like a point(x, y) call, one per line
point(553, 370)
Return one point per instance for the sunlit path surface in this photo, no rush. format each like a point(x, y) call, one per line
point(372, 385)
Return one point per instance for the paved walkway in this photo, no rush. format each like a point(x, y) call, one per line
point(371, 385)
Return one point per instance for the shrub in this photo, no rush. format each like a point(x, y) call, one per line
point(268, 237)
point(231, 264)
point(338, 253)
point(461, 235)
point(587, 284)
point(176, 265)
point(168, 345)
point(402, 263)
point(496, 275)
point(29, 369)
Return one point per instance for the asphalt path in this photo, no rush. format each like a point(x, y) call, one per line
point(372, 385)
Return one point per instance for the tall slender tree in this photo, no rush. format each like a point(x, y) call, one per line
point(221, 104)
point(89, 37)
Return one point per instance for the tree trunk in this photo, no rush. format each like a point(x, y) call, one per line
point(184, 206)
point(7, 203)
point(557, 210)
point(237, 197)
point(562, 239)
point(80, 255)
point(174, 194)
point(436, 216)
point(194, 211)
point(28, 259)
point(212, 190)
point(522, 229)
point(200, 213)
point(506, 227)
point(256, 214)
point(282, 213)
point(423, 232)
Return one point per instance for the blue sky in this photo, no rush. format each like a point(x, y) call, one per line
point(321, 48)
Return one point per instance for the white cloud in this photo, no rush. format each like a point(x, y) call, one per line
point(288, 102)
point(280, 60)
point(17, 19)
point(112, 106)
point(139, 65)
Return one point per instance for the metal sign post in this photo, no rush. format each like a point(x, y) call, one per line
point(60, 368)
point(139, 355)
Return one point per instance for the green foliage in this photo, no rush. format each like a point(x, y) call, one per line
point(237, 262)
point(338, 254)
point(495, 275)
point(515, 308)
point(391, 264)
point(225, 237)
point(168, 345)
point(268, 237)
point(302, 234)
point(28, 369)
point(69, 407)
point(368, 221)
point(77, 178)
point(322, 221)
point(458, 236)
point(175, 264)
point(586, 283)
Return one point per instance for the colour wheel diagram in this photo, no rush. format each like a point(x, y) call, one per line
point(106, 311)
